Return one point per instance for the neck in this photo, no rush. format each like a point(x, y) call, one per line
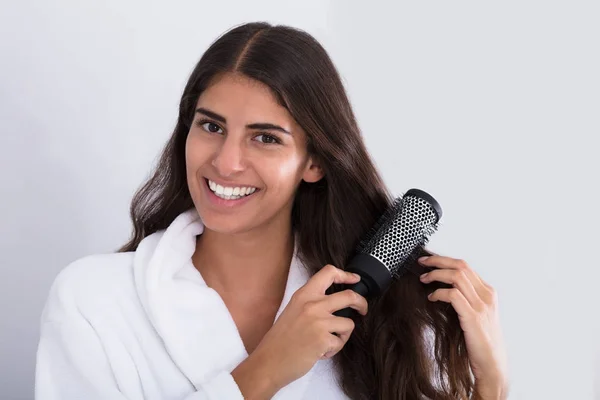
point(248, 265)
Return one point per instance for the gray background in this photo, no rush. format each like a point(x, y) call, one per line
point(492, 107)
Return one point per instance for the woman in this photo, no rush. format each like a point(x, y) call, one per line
point(226, 289)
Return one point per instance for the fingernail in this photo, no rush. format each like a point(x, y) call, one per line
point(424, 275)
point(356, 275)
point(423, 259)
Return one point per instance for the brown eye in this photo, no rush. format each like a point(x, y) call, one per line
point(269, 139)
point(209, 126)
point(212, 127)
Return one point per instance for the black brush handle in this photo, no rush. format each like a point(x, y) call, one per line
point(374, 278)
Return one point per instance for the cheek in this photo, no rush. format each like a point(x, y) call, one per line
point(195, 157)
point(196, 152)
point(282, 175)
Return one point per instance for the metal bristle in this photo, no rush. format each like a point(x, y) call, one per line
point(388, 216)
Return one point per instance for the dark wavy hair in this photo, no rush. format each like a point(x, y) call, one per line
point(406, 347)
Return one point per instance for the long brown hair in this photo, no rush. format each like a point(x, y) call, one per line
point(406, 347)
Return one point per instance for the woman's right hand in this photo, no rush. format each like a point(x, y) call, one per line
point(305, 331)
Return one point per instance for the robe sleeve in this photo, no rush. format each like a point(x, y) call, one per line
point(71, 362)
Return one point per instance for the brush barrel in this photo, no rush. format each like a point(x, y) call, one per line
point(429, 199)
point(399, 231)
point(375, 278)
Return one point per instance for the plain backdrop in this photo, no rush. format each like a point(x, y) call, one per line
point(491, 107)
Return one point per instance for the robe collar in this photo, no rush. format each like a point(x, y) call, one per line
point(194, 323)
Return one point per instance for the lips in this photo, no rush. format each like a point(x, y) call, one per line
point(224, 201)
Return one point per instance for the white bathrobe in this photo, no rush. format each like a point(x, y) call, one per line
point(144, 325)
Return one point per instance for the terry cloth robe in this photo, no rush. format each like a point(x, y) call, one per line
point(144, 325)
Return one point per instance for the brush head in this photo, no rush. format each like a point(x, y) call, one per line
point(395, 241)
point(400, 232)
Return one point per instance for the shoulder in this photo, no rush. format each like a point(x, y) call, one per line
point(91, 282)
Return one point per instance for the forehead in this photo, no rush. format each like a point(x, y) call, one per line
point(239, 98)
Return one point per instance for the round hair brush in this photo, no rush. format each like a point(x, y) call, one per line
point(391, 243)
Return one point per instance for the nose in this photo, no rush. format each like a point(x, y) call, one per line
point(229, 158)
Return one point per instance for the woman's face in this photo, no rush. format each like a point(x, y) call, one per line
point(241, 172)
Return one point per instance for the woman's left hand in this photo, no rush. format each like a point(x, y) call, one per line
point(476, 303)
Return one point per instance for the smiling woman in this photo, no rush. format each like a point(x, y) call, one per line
point(227, 287)
point(246, 145)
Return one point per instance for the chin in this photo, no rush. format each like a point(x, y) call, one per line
point(224, 224)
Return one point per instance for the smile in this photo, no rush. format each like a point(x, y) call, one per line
point(230, 192)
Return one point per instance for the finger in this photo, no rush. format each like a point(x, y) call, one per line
point(333, 344)
point(454, 263)
point(490, 296)
point(341, 326)
point(327, 276)
point(346, 298)
point(454, 297)
point(459, 280)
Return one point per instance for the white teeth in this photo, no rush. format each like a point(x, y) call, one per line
point(230, 193)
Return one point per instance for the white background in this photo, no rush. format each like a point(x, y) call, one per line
point(493, 108)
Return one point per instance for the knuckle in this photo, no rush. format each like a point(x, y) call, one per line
point(479, 306)
point(492, 295)
point(346, 325)
point(454, 294)
point(300, 297)
point(309, 308)
point(351, 325)
point(296, 296)
point(459, 275)
point(462, 264)
point(335, 343)
point(352, 296)
point(327, 340)
point(330, 268)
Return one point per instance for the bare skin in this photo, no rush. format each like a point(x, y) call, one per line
point(245, 250)
point(252, 308)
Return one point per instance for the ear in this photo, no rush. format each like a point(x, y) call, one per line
point(313, 171)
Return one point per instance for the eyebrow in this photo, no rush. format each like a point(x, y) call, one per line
point(257, 125)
